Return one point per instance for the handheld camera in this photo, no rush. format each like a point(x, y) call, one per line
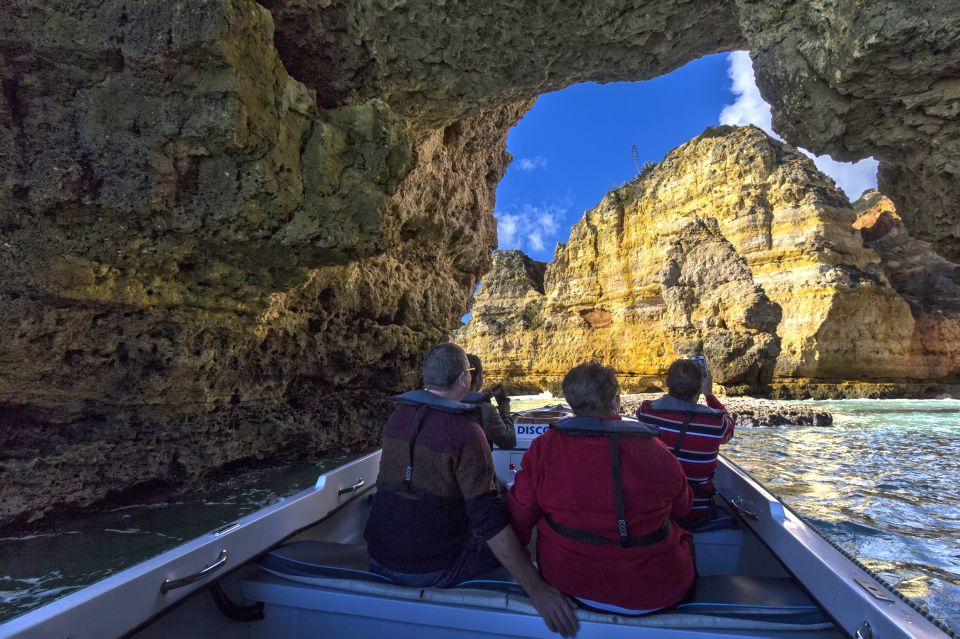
point(493, 392)
point(701, 362)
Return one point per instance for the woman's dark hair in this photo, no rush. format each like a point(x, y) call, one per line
point(685, 379)
point(442, 366)
point(591, 389)
point(477, 371)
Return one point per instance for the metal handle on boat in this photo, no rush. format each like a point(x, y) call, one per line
point(864, 631)
point(743, 512)
point(170, 584)
point(352, 489)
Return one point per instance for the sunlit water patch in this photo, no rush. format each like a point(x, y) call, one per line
point(881, 482)
point(39, 567)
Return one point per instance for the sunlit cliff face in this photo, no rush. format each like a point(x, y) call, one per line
point(735, 247)
point(228, 229)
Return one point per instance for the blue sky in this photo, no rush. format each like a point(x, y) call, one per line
point(574, 145)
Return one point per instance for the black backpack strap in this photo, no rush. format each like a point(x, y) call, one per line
point(683, 432)
point(618, 491)
point(417, 421)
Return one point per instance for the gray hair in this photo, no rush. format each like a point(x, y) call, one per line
point(442, 366)
point(591, 389)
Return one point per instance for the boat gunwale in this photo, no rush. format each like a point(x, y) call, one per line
point(95, 610)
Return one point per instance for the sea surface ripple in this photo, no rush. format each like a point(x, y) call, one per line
point(883, 483)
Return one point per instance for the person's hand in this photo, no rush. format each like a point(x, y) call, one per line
point(557, 610)
point(707, 387)
point(501, 396)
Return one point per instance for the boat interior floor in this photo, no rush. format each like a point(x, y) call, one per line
point(296, 582)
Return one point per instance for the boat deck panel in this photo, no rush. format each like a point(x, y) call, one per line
point(303, 578)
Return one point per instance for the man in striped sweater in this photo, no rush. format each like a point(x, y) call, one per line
point(692, 431)
point(437, 518)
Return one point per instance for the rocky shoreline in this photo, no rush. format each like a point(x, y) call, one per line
point(751, 411)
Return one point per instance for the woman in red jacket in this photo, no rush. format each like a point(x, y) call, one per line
point(604, 492)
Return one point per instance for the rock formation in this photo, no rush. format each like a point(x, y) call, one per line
point(750, 411)
point(714, 308)
point(875, 78)
point(227, 229)
point(924, 279)
point(737, 247)
point(203, 268)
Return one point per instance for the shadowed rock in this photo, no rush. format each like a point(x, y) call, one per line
point(714, 308)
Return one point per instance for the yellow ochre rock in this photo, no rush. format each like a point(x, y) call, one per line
point(737, 247)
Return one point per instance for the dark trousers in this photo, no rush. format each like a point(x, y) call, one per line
point(476, 558)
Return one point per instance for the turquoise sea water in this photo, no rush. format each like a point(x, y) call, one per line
point(883, 482)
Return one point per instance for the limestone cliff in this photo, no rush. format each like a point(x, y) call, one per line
point(735, 246)
point(714, 308)
point(229, 228)
point(926, 281)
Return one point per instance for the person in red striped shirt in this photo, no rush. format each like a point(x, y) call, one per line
point(693, 433)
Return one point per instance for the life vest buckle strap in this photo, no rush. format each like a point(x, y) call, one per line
point(588, 537)
point(417, 423)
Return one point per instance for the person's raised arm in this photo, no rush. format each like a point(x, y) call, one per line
point(707, 386)
point(557, 610)
point(498, 430)
point(728, 422)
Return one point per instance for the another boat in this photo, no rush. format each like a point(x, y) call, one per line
point(299, 569)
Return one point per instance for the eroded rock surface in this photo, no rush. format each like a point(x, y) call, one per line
point(715, 309)
point(750, 411)
point(853, 79)
point(228, 229)
point(200, 266)
point(737, 247)
point(870, 78)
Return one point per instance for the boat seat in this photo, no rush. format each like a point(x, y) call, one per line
point(719, 601)
point(323, 560)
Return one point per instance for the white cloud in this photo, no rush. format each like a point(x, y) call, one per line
point(532, 164)
point(508, 230)
point(750, 108)
point(530, 228)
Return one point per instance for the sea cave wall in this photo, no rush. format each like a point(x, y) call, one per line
point(229, 229)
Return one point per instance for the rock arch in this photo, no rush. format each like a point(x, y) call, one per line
point(228, 226)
